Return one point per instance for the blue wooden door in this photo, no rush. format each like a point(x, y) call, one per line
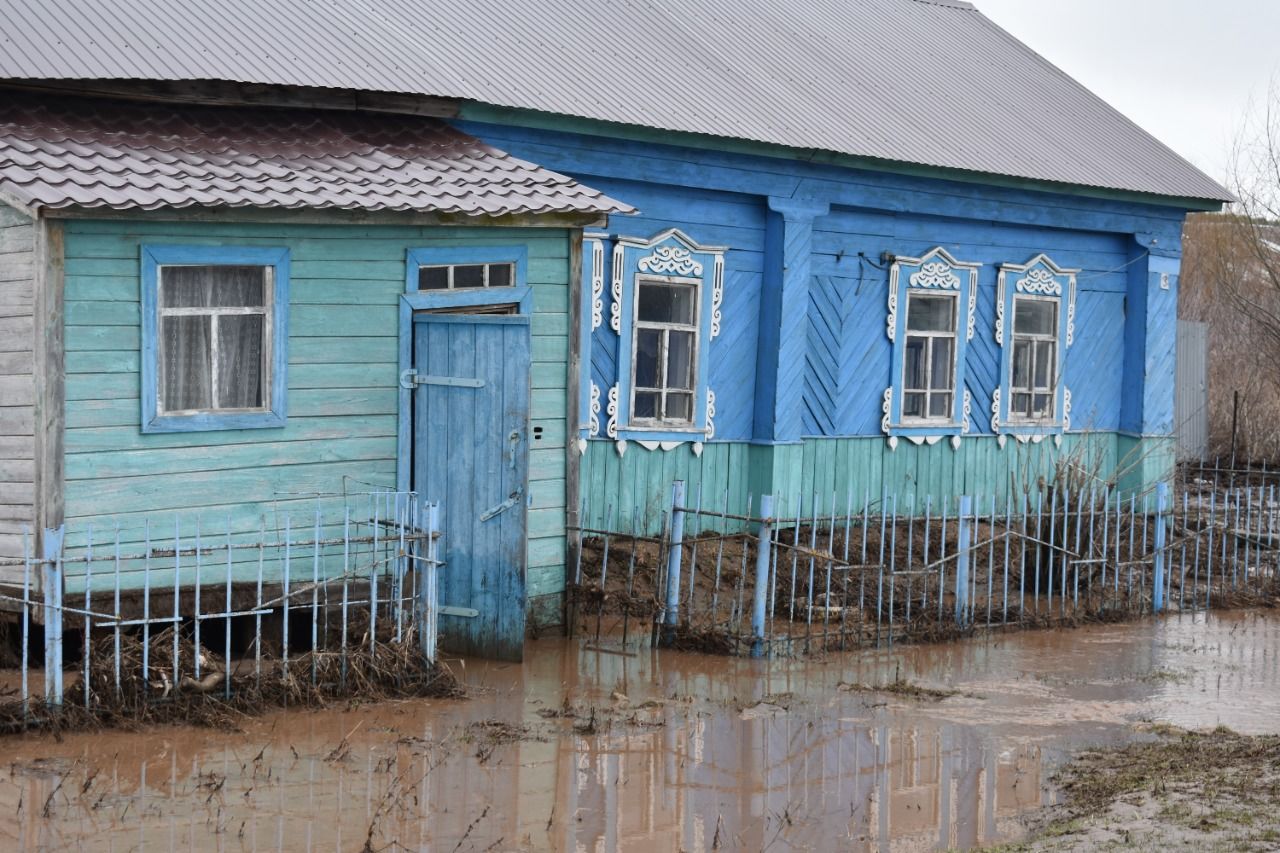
point(471, 453)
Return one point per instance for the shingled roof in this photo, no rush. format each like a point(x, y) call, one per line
point(927, 82)
point(57, 153)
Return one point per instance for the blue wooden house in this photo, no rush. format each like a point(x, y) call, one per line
point(881, 246)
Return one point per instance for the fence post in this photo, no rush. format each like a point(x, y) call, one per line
point(963, 547)
point(762, 576)
point(51, 587)
point(428, 605)
point(674, 551)
point(1157, 591)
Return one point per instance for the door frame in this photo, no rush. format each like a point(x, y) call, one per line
point(413, 300)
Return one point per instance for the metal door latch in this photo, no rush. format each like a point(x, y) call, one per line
point(412, 379)
point(497, 510)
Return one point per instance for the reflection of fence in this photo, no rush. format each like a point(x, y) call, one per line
point(146, 610)
point(788, 581)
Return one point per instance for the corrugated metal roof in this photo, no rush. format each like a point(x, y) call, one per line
point(94, 154)
point(930, 82)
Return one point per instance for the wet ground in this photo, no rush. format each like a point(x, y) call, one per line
point(586, 749)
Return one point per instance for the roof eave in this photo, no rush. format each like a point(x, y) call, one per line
point(479, 111)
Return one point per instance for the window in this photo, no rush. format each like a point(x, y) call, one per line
point(1035, 323)
point(463, 276)
point(1035, 358)
point(929, 369)
point(932, 310)
point(666, 352)
point(214, 337)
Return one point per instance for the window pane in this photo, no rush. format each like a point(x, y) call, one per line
point(468, 276)
point(942, 367)
point(930, 313)
point(679, 407)
point(499, 275)
point(186, 371)
point(1021, 364)
point(940, 406)
point(1035, 317)
point(666, 303)
point(914, 368)
point(647, 341)
point(1020, 405)
point(240, 367)
point(913, 405)
point(1043, 405)
point(213, 286)
point(1044, 364)
point(433, 278)
point(680, 360)
point(646, 405)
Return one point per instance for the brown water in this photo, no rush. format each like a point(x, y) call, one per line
point(684, 755)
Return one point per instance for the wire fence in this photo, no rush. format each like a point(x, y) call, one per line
point(787, 579)
point(129, 617)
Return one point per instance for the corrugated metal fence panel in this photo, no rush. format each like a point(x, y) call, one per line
point(929, 82)
point(1191, 390)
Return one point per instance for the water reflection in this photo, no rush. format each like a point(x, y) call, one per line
point(684, 752)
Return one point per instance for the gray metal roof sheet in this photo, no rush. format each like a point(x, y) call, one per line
point(930, 82)
point(73, 152)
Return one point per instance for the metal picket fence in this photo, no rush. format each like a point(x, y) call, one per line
point(819, 573)
point(151, 605)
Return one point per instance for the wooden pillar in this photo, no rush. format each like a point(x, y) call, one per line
point(780, 356)
point(1145, 447)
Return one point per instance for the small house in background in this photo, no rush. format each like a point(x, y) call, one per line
point(879, 249)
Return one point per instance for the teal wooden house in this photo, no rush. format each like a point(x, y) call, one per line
point(829, 253)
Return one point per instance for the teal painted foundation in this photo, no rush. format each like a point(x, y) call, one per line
point(631, 492)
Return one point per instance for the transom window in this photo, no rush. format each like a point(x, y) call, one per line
point(214, 338)
point(666, 352)
point(929, 357)
point(465, 276)
point(1035, 358)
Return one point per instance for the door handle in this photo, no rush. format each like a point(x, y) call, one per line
point(513, 443)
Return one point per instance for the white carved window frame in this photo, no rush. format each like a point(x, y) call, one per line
point(669, 255)
point(935, 272)
point(1042, 279)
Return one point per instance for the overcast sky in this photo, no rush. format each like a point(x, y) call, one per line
point(1185, 70)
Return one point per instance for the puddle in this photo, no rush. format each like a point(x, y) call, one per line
point(681, 751)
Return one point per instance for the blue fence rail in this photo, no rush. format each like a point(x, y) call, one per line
point(789, 579)
point(354, 572)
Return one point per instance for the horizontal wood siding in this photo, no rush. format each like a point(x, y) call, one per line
point(17, 380)
point(834, 474)
point(340, 436)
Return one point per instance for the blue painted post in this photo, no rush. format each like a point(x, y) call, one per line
point(763, 555)
point(674, 550)
point(1162, 504)
point(963, 547)
point(51, 586)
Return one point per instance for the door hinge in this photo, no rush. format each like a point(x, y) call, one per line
point(412, 379)
point(465, 612)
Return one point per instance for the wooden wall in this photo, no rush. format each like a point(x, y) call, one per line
point(720, 194)
point(17, 384)
point(342, 384)
point(633, 492)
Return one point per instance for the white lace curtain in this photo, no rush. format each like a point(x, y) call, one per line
point(213, 330)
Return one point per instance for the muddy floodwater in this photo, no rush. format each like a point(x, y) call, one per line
point(584, 748)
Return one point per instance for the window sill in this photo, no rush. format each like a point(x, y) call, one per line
point(210, 422)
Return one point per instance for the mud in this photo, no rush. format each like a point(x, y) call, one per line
point(591, 746)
